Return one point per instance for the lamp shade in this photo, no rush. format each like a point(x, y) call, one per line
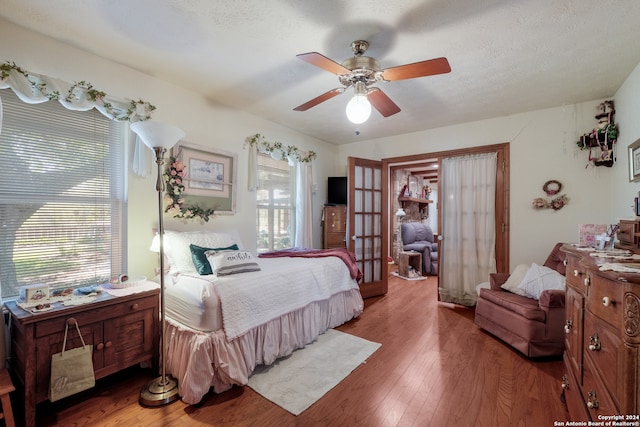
point(400, 212)
point(155, 134)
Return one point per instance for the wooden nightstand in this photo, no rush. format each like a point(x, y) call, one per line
point(124, 331)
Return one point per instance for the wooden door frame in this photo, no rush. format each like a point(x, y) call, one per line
point(502, 196)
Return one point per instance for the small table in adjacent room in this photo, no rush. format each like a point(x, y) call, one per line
point(409, 259)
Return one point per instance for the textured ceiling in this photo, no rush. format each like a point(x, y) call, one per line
point(507, 56)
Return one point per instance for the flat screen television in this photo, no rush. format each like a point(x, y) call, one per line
point(336, 190)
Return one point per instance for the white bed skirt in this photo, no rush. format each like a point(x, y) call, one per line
point(201, 360)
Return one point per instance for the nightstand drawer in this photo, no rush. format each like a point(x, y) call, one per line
point(95, 315)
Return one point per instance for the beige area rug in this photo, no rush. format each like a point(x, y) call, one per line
point(297, 381)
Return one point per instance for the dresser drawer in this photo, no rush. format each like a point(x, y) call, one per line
point(604, 349)
point(575, 274)
point(595, 395)
point(335, 240)
point(604, 299)
point(571, 393)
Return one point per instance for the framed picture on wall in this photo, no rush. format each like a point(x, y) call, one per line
point(634, 161)
point(210, 180)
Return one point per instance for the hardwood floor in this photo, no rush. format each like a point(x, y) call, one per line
point(435, 368)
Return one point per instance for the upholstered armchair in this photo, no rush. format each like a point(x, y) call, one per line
point(419, 237)
point(535, 327)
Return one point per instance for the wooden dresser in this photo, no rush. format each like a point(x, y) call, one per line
point(602, 340)
point(335, 227)
point(629, 234)
point(124, 331)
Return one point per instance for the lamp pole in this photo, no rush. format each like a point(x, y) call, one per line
point(159, 137)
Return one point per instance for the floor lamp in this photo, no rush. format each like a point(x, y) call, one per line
point(159, 137)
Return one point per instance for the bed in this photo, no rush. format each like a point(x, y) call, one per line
point(220, 327)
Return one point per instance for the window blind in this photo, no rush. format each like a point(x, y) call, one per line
point(63, 196)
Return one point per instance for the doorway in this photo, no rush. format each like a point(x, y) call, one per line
point(421, 160)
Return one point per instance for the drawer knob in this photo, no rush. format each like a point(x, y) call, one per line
point(594, 343)
point(135, 306)
point(565, 382)
point(567, 326)
point(606, 301)
point(592, 400)
point(100, 346)
point(108, 344)
point(576, 273)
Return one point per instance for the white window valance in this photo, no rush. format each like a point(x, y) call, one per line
point(35, 88)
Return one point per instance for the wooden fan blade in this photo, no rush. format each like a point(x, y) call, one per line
point(417, 69)
point(382, 102)
point(317, 100)
point(321, 61)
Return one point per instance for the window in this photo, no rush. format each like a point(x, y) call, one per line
point(275, 200)
point(62, 197)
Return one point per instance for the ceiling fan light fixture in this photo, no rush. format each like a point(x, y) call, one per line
point(359, 107)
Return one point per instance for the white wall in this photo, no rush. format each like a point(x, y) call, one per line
point(627, 101)
point(542, 147)
point(205, 123)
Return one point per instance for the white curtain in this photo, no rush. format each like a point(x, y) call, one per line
point(304, 208)
point(468, 228)
point(253, 168)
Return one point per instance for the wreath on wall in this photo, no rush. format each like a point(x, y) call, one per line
point(551, 188)
point(174, 177)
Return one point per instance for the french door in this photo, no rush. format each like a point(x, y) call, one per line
point(365, 223)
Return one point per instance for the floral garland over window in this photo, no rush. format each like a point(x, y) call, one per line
point(174, 177)
point(80, 95)
point(277, 150)
point(551, 188)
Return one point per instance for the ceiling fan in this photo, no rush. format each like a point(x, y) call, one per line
point(360, 72)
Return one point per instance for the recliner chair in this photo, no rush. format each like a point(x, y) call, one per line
point(419, 237)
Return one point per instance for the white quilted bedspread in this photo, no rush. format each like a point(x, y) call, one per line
point(283, 285)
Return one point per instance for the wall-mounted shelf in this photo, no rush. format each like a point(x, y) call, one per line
point(406, 201)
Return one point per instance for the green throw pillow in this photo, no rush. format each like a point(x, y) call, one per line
point(200, 259)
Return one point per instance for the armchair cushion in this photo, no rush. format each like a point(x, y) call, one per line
point(525, 307)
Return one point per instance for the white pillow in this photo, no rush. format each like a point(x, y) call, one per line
point(224, 263)
point(515, 279)
point(540, 278)
point(176, 246)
